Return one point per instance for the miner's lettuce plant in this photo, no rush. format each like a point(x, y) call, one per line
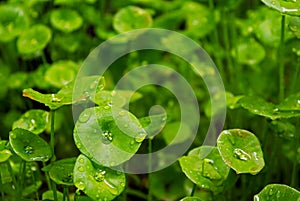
point(44, 155)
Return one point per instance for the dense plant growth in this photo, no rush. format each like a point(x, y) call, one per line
point(45, 156)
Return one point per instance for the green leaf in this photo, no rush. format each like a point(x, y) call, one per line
point(207, 172)
point(130, 18)
point(153, 124)
point(65, 20)
point(117, 98)
point(98, 182)
point(294, 25)
point(190, 199)
point(33, 120)
point(84, 89)
point(240, 150)
point(250, 52)
point(61, 73)
point(172, 134)
point(62, 171)
point(232, 101)
point(260, 107)
point(291, 103)
point(277, 192)
point(13, 22)
point(29, 146)
point(5, 153)
point(48, 195)
point(108, 136)
point(34, 39)
point(289, 7)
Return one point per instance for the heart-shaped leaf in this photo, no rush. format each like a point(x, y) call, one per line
point(33, 120)
point(207, 172)
point(29, 146)
point(108, 136)
point(240, 150)
point(62, 171)
point(277, 192)
point(98, 182)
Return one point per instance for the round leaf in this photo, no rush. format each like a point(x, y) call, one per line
point(61, 73)
point(108, 138)
point(48, 195)
point(241, 151)
point(33, 120)
point(4, 152)
point(65, 20)
point(28, 146)
point(290, 7)
point(209, 172)
point(98, 182)
point(34, 39)
point(277, 192)
point(12, 22)
point(62, 171)
point(130, 18)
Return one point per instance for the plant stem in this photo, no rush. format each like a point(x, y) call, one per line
point(47, 178)
point(1, 188)
point(281, 60)
point(193, 190)
point(66, 193)
point(52, 136)
point(136, 193)
point(149, 198)
point(295, 78)
point(22, 177)
point(34, 183)
point(294, 174)
point(12, 174)
point(54, 191)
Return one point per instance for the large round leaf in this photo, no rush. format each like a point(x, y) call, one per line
point(108, 136)
point(241, 151)
point(190, 199)
point(98, 182)
point(12, 22)
point(290, 7)
point(65, 20)
point(28, 146)
point(130, 18)
point(277, 192)
point(61, 73)
point(207, 172)
point(34, 39)
point(62, 171)
point(33, 120)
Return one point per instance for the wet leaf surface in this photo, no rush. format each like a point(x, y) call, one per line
point(29, 146)
point(62, 171)
point(289, 7)
point(241, 150)
point(98, 182)
point(65, 20)
point(277, 192)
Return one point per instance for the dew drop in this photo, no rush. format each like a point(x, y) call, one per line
point(32, 125)
point(106, 107)
point(81, 160)
point(112, 163)
point(12, 135)
point(112, 189)
point(122, 113)
point(84, 117)
point(28, 149)
point(241, 154)
point(123, 184)
point(271, 192)
point(99, 175)
point(107, 137)
point(141, 136)
point(126, 125)
point(78, 145)
point(81, 169)
point(55, 99)
point(298, 101)
point(278, 195)
point(80, 185)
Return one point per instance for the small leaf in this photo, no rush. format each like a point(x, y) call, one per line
point(291, 103)
point(62, 171)
point(232, 101)
point(13, 22)
point(289, 7)
point(108, 136)
point(241, 151)
point(98, 182)
point(5, 153)
point(130, 18)
point(277, 192)
point(33, 120)
point(48, 195)
point(154, 124)
point(34, 39)
point(209, 172)
point(28, 146)
point(61, 73)
point(260, 107)
point(65, 19)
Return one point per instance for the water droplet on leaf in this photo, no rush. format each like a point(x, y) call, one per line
point(99, 175)
point(140, 137)
point(107, 137)
point(81, 169)
point(241, 154)
point(28, 149)
point(55, 99)
point(84, 117)
point(80, 185)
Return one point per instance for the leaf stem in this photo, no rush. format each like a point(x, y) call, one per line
point(47, 178)
point(52, 136)
point(1, 188)
point(281, 59)
point(136, 193)
point(54, 190)
point(34, 183)
point(149, 197)
point(193, 190)
point(66, 194)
